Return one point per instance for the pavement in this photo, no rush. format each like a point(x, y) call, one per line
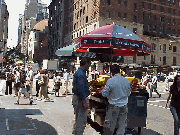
point(53, 117)
point(57, 117)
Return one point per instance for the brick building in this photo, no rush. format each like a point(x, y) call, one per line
point(156, 21)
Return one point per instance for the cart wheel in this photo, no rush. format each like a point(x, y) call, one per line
point(139, 130)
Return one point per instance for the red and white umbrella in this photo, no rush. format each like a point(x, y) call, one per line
point(113, 39)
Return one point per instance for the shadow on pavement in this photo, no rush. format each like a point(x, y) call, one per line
point(144, 131)
point(14, 121)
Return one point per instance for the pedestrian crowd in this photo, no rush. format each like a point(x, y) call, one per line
point(20, 80)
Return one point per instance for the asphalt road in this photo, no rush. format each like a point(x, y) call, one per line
point(56, 117)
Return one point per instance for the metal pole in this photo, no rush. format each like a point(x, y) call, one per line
point(3, 45)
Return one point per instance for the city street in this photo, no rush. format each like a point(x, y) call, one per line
point(56, 116)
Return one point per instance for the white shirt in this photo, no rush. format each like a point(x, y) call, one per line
point(144, 79)
point(117, 89)
point(154, 79)
point(17, 76)
point(66, 76)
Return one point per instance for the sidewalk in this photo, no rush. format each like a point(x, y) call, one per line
point(55, 117)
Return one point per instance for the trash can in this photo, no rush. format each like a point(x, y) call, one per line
point(137, 112)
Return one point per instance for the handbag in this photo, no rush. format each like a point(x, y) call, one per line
point(41, 81)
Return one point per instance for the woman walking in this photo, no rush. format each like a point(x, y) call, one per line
point(175, 103)
point(57, 81)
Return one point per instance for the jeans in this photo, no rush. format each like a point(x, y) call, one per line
point(80, 115)
point(115, 115)
point(176, 115)
point(154, 87)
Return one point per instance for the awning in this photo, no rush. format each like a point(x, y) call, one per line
point(65, 51)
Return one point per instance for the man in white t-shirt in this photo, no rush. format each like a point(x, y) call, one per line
point(154, 85)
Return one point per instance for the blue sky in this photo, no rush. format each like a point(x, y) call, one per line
point(15, 8)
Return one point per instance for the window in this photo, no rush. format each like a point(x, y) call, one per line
point(161, 9)
point(153, 46)
point(119, 14)
point(164, 48)
point(94, 26)
point(135, 7)
point(149, 16)
point(160, 47)
point(135, 30)
point(125, 3)
point(119, 1)
point(154, 7)
point(149, 6)
point(174, 21)
point(169, 10)
point(144, 57)
point(174, 49)
point(86, 19)
point(135, 19)
point(125, 15)
point(154, 17)
point(174, 11)
point(108, 14)
point(170, 46)
point(160, 58)
point(152, 59)
point(164, 60)
point(108, 1)
point(169, 2)
point(174, 61)
point(143, 5)
point(169, 20)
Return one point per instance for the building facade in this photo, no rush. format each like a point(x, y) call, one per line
point(35, 11)
point(4, 16)
point(58, 27)
point(156, 21)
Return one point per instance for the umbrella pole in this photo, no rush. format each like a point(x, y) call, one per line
point(111, 63)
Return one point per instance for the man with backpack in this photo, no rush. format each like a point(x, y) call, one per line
point(9, 76)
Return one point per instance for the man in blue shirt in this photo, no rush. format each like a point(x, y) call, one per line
point(79, 100)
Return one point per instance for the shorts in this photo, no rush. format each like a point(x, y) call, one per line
point(18, 84)
point(22, 90)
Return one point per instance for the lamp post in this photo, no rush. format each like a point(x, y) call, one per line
point(3, 44)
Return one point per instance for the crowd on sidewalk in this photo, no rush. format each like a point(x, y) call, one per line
point(20, 80)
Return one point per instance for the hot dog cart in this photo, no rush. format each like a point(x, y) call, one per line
point(137, 107)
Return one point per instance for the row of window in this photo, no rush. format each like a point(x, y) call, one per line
point(174, 48)
point(164, 60)
point(79, 13)
point(162, 9)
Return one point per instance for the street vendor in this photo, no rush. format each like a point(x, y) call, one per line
point(117, 90)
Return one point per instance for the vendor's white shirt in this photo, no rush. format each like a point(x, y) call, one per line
point(117, 90)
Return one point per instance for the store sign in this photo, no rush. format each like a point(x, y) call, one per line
point(117, 42)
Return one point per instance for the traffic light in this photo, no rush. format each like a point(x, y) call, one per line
point(170, 46)
point(41, 44)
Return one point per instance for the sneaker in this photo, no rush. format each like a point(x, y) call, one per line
point(159, 95)
point(31, 102)
point(39, 99)
point(17, 103)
